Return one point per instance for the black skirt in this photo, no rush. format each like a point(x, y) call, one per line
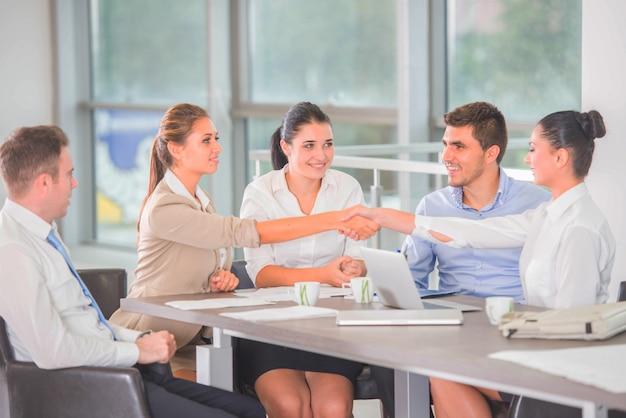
point(255, 358)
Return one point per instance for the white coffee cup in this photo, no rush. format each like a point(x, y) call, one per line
point(496, 306)
point(362, 289)
point(307, 293)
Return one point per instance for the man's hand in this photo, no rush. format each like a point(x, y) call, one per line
point(356, 226)
point(223, 281)
point(158, 347)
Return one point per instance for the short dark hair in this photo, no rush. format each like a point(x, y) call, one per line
point(576, 132)
point(29, 152)
point(487, 122)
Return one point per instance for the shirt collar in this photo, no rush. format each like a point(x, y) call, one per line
point(280, 182)
point(30, 221)
point(558, 206)
point(503, 185)
point(179, 188)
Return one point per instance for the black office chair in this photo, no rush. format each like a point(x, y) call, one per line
point(525, 407)
point(365, 387)
point(28, 391)
point(238, 268)
point(107, 286)
point(621, 292)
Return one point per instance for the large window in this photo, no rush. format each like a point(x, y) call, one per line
point(144, 53)
point(149, 52)
point(384, 70)
point(522, 56)
point(340, 53)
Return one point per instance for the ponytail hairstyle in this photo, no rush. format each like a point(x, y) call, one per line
point(299, 114)
point(175, 126)
point(576, 132)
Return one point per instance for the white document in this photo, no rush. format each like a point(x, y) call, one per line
point(601, 366)
point(217, 303)
point(286, 293)
point(282, 314)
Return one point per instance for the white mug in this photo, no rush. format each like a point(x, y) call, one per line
point(496, 306)
point(307, 293)
point(362, 289)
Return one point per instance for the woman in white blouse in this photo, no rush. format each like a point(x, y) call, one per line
point(292, 383)
point(568, 248)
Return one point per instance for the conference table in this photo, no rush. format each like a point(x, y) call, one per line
point(454, 352)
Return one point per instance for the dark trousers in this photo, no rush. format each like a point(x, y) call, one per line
point(385, 383)
point(172, 397)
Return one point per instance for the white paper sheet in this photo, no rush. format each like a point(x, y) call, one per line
point(286, 293)
point(282, 314)
point(217, 303)
point(600, 366)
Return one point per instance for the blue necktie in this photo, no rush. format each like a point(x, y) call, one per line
point(56, 243)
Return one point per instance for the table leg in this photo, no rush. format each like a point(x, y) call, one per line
point(593, 410)
point(214, 363)
point(412, 395)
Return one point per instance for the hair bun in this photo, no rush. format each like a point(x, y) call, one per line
point(592, 124)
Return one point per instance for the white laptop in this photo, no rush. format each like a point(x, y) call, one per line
point(395, 288)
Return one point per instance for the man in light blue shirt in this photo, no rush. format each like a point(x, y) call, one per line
point(468, 271)
point(474, 143)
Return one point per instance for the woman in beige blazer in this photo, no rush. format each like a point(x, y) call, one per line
point(183, 244)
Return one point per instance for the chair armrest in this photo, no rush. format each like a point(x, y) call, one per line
point(79, 391)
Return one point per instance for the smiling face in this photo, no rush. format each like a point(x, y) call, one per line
point(311, 150)
point(542, 159)
point(464, 158)
point(200, 152)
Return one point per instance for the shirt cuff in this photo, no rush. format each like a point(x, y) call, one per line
point(422, 226)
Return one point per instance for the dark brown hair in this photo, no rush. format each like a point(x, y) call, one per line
point(299, 114)
point(487, 122)
point(576, 132)
point(29, 152)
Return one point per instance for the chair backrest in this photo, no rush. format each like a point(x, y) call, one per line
point(6, 356)
point(99, 392)
point(621, 293)
point(239, 269)
point(107, 285)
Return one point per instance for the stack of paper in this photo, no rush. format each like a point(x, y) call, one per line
point(600, 366)
point(217, 303)
point(282, 314)
point(286, 293)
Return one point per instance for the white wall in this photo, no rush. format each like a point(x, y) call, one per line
point(604, 89)
point(26, 69)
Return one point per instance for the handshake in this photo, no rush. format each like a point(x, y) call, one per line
point(360, 222)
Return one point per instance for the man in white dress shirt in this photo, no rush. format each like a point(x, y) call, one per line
point(50, 320)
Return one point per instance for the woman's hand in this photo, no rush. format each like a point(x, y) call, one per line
point(223, 281)
point(352, 267)
point(342, 269)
